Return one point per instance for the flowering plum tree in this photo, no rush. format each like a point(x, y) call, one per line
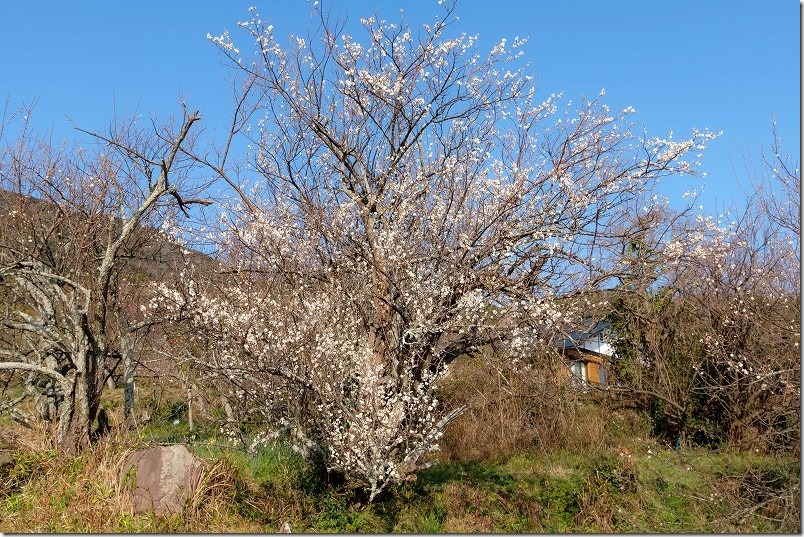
point(709, 336)
point(411, 199)
point(749, 299)
point(71, 228)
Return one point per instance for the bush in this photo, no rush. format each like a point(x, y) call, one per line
point(515, 408)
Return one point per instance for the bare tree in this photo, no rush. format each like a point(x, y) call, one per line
point(410, 201)
point(73, 221)
point(776, 185)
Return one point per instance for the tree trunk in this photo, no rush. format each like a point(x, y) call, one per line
point(128, 381)
point(81, 401)
point(74, 421)
point(190, 405)
point(227, 407)
point(381, 323)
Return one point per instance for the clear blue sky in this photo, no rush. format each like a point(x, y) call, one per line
point(725, 65)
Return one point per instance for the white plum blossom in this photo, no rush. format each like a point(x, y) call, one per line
point(413, 201)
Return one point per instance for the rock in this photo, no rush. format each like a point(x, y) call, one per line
point(285, 528)
point(163, 477)
point(6, 463)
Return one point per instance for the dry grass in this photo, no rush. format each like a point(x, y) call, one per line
point(470, 510)
point(53, 493)
point(513, 409)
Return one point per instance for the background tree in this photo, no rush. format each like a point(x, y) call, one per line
point(776, 187)
point(658, 347)
point(713, 344)
point(72, 225)
point(748, 298)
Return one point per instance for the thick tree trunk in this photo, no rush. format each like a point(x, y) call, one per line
point(378, 335)
point(81, 402)
point(75, 424)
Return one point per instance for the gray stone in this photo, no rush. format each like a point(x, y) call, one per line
point(163, 477)
point(6, 463)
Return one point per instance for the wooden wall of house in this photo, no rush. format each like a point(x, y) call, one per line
point(593, 373)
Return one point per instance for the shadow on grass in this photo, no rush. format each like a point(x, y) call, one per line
point(468, 472)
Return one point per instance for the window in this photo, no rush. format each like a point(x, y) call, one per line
point(578, 369)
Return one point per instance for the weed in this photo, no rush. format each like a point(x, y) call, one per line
point(338, 515)
point(432, 521)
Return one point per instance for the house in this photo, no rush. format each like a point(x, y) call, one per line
point(588, 354)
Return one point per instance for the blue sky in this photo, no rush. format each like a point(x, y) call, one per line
point(725, 65)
